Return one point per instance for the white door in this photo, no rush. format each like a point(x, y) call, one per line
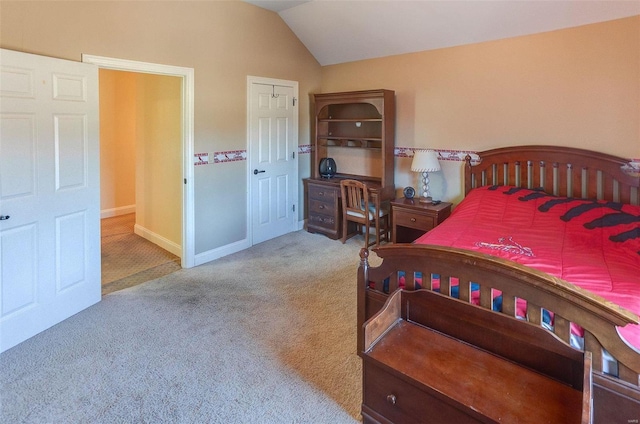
point(273, 162)
point(49, 193)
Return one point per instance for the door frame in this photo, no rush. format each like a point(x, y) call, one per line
point(188, 94)
point(286, 83)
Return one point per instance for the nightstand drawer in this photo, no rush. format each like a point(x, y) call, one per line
point(413, 220)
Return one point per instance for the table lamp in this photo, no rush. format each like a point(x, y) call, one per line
point(425, 161)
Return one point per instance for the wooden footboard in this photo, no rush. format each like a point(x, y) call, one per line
point(616, 397)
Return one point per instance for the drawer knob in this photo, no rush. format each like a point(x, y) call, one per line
point(391, 399)
point(321, 193)
point(321, 207)
point(413, 220)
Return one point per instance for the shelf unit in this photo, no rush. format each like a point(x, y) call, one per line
point(356, 119)
point(352, 120)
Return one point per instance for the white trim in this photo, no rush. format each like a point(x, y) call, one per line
point(188, 95)
point(217, 253)
point(286, 83)
point(155, 238)
point(122, 210)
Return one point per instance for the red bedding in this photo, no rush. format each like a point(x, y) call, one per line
point(593, 244)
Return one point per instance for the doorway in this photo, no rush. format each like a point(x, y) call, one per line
point(186, 77)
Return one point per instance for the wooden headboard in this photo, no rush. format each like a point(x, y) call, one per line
point(560, 171)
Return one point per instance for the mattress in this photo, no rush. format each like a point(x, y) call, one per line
point(592, 244)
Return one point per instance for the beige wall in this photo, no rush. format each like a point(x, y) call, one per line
point(577, 87)
point(224, 41)
point(117, 141)
point(158, 157)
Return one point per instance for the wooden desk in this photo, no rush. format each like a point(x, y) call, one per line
point(324, 205)
point(410, 218)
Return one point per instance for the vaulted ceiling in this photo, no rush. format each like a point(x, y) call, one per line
point(338, 31)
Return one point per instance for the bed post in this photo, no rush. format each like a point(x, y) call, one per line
point(468, 183)
point(363, 278)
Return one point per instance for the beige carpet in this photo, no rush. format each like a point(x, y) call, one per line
point(266, 335)
point(128, 259)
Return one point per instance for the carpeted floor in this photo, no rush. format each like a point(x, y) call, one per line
point(266, 335)
point(128, 259)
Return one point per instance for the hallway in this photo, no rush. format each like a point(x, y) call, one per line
point(128, 259)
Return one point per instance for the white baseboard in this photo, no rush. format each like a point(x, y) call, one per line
point(219, 252)
point(166, 244)
point(213, 254)
point(122, 210)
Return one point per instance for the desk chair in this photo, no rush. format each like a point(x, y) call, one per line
point(359, 208)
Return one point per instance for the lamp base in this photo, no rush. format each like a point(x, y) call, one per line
point(428, 199)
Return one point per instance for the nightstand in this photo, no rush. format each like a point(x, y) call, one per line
point(410, 218)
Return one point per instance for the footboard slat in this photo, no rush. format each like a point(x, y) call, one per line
point(592, 345)
point(508, 304)
point(465, 293)
point(486, 299)
point(562, 328)
point(534, 314)
point(410, 280)
point(445, 284)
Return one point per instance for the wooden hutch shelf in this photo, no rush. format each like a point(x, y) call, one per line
point(349, 120)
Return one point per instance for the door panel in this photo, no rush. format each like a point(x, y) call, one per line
point(17, 134)
point(49, 188)
point(272, 149)
point(70, 250)
point(19, 265)
point(70, 138)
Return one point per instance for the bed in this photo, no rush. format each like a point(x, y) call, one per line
point(552, 285)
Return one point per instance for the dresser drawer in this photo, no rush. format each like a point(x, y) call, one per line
point(323, 194)
point(393, 398)
point(319, 220)
point(321, 207)
point(396, 400)
point(413, 220)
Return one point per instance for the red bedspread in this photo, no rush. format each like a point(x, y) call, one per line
point(595, 245)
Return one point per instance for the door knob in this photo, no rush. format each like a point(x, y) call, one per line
point(256, 172)
point(4, 217)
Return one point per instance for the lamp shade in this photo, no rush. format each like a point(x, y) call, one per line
point(425, 161)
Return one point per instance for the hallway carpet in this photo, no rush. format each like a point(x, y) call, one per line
point(128, 259)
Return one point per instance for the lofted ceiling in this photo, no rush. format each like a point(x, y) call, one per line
point(339, 31)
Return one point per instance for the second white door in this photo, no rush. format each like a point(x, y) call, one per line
point(273, 162)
